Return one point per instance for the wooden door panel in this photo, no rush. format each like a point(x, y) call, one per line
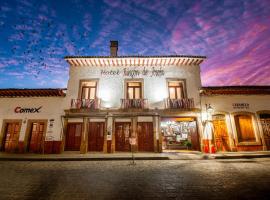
point(96, 136)
point(73, 137)
point(145, 136)
point(122, 135)
point(11, 137)
point(221, 135)
point(36, 138)
point(266, 132)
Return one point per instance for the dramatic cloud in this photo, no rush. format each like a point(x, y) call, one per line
point(36, 35)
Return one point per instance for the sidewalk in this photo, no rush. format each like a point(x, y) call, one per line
point(185, 155)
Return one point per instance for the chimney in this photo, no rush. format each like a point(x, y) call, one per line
point(114, 48)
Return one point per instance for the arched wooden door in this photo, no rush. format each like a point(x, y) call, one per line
point(96, 136)
point(221, 133)
point(36, 137)
point(145, 136)
point(265, 122)
point(122, 135)
point(11, 137)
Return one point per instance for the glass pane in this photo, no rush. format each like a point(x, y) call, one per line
point(85, 93)
point(130, 93)
point(137, 93)
point(172, 93)
point(138, 84)
point(92, 93)
point(178, 91)
point(89, 83)
point(174, 83)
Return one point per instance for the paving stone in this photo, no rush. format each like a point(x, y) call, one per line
point(170, 179)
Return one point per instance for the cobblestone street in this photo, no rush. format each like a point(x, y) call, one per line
point(170, 179)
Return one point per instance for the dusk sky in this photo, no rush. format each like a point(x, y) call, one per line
point(36, 35)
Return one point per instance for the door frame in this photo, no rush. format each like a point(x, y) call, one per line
point(3, 131)
point(28, 132)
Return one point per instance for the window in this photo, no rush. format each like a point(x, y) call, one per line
point(88, 89)
point(244, 128)
point(134, 90)
point(176, 90)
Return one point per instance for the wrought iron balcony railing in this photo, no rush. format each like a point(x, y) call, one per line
point(184, 104)
point(134, 103)
point(85, 103)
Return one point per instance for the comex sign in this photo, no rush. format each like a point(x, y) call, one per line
point(27, 110)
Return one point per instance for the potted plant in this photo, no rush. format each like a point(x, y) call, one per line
point(188, 144)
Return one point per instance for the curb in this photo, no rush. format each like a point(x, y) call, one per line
point(83, 159)
point(241, 157)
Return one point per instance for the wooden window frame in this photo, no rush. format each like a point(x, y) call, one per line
point(134, 80)
point(183, 87)
point(81, 87)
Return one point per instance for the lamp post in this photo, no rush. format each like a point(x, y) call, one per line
point(209, 110)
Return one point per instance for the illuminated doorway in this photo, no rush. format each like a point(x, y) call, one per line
point(179, 134)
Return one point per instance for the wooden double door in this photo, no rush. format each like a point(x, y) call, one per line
point(221, 134)
point(122, 135)
point(96, 136)
point(11, 137)
point(36, 138)
point(73, 137)
point(145, 136)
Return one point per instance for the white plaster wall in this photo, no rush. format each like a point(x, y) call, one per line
point(52, 108)
point(111, 87)
point(223, 103)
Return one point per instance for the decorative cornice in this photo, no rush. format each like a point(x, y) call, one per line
point(129, 61)
point(235, 90)
point(39, 92)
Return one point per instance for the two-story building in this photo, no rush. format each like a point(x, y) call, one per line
point(155, 103)
point(146, 98)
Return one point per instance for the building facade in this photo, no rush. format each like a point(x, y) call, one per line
point(140, 103)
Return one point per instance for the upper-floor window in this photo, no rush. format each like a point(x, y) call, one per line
point(134, 90)
point(176, 89)
point(88, 89)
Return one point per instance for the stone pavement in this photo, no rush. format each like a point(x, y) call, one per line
point(147, 179)
point(181, 155)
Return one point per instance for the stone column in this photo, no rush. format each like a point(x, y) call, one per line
point(65, 123)
point(109, 145)
point(84, 138)
point(134, 132)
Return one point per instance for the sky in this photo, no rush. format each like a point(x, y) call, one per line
point(35, 35)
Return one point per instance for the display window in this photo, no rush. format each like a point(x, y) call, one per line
point(179, 134)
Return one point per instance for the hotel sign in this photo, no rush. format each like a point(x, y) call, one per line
point(153, 72)
point(240, 106)
point(27, 110)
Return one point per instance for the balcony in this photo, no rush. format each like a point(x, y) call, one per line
point(85, 104)
point(134, 103)
point(182, 104)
